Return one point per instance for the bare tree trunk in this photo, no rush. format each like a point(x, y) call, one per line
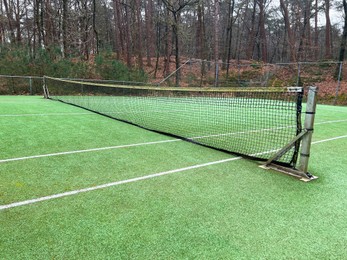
point(120, 49)
point(328, 54)
point(200, 31)
point(150, 32)
point(251, 40)
point(17, 23)
point(216, 39)
point(175, 8)
point(9, 20)
point(343, 44)
point(262, 32)
point(96, 34)
point(64, 28)
point(305, 32)
point(128, 38)
point(316, 29)
point(229, 33)
point(2, 27)
point(177, 47)
point(290, 35)
point(168, 46)
point(139, 33)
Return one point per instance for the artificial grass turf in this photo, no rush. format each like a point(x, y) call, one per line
point(49, 134)
point(208, 213)
point(232, 210)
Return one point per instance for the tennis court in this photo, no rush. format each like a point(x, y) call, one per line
point(75, 184)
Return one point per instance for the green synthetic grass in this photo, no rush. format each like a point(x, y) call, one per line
point(233, 210)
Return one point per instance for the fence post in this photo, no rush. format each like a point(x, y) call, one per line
point(30, 85)
point(216, 74)
point(299, 74)
point(338, 84)
point(44, 86)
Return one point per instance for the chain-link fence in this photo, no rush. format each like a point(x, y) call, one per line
point(327, 76)
point(20, 85)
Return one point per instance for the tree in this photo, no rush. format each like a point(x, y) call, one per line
point(262, 32)
point(139, 33)
point(9, 20)
point(231, 6)
point(150, 35)
point(175, 7)
point(252, 32)
point(343, 44)
point(64, 28)
point(328, 54)
point(216, 38)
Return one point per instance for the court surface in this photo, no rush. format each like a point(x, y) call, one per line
point(75, 184)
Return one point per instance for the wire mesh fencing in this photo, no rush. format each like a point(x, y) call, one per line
point(327, 76)
point(20, 85)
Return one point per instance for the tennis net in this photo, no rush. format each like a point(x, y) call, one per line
point(253, 123)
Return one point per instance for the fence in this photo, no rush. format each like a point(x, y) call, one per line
point(327, 76)
point(20, 85)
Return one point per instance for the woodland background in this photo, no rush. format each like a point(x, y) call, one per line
point(146, 40)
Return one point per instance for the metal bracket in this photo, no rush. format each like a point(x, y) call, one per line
point(306, 177)
point(286, 148)
point(303, 176)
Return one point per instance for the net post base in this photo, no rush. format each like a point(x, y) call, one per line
point(305, 177)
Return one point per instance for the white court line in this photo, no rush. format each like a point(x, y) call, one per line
point(46, 114)
point(330, 139)
point(150, 176)
point(111, 184)
point(86, 150)
point(149, 143)
point(332, 121)
point(332, 110)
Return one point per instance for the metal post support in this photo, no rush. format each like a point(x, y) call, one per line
point(308, 125)
point(174, 72)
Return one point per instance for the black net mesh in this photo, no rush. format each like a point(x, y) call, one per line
point(254, 123)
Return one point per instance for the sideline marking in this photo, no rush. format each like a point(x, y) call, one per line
point(150, 176)
point(330, 122)
point(149, 143)
point(330, 139)
point(86, 150)
point(47, 114)
point(111, 184)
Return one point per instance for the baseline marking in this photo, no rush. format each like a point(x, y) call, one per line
point(150, 176)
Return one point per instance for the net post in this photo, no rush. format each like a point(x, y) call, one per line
point(305, 137)
point(308, 126)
